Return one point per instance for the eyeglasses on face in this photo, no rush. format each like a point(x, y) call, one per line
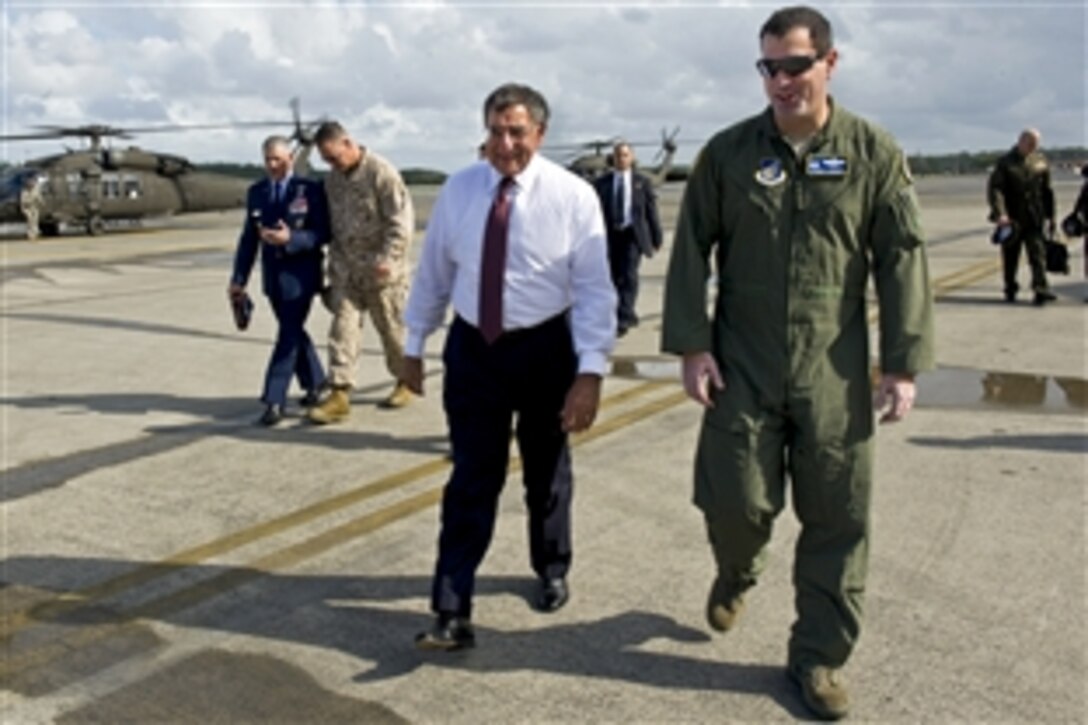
point(791, 65)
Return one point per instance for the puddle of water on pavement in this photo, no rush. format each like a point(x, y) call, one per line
point(950, 387)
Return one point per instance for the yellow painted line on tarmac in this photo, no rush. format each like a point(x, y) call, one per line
point(954, 280)
point(63, 603)
point(299, 552)
point(965, 276)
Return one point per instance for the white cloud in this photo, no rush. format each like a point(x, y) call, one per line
point(409, 81)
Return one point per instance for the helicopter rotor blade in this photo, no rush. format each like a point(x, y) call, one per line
point(98, 131)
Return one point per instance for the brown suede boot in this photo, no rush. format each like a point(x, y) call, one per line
point(333, 409)
point(724, 606)
point(823, 690)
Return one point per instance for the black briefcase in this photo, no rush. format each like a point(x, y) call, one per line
point(1057, 257)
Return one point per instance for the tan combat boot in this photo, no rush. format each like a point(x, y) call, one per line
point(333, 409)
point(823, 691)
point(400, 397)
point(724, 606)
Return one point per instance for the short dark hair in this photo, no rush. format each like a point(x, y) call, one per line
point(784, 20)
point(516, 94)
point(329, 131)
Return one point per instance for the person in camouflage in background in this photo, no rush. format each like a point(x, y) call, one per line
point(372, 225)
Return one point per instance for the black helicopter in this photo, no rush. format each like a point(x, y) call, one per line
point(88, 187)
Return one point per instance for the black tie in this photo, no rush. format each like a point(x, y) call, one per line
point(617, 206)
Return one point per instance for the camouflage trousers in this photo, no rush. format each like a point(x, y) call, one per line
point(348, 303)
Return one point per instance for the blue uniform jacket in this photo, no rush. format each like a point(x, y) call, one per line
point(293, 270)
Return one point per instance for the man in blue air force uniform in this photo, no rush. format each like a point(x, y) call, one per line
point(287, 220)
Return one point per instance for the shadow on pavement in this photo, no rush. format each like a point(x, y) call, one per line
point(151, 328)
point(223, 417)
point(1059, 443)
point(376, 618)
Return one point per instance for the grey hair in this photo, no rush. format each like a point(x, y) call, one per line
point(516, 94)
point(276, 141)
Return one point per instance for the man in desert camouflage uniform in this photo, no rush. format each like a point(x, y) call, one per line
point(372, 225)
point(30, 204)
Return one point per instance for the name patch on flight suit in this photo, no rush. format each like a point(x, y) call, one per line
point(829, 166)
point(770, 172)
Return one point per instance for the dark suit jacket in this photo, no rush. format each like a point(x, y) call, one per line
point(293, 270)
point(643, 210)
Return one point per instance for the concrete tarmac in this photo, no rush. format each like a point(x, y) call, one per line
point(166, 560)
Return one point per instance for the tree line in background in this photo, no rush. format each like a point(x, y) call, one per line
point(1068, 158)
point(1071, 157)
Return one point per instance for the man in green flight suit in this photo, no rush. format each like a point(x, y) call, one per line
point(798, 205)
point(1022, 200)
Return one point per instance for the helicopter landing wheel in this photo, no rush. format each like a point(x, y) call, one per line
point(95, 226)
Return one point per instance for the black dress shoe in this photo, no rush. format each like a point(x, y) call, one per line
point(553, 594)
point(448, 634)
point(1042, 297)
point(310, 399)
point(272, 415)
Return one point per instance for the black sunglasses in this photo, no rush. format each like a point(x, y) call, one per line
point(791, 65)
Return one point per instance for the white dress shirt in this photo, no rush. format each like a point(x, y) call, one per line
point(627, 179)
point(557, 258)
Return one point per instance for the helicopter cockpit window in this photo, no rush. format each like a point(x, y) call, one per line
point(12, 182)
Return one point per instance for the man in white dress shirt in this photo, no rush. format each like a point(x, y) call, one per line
point(534, 325)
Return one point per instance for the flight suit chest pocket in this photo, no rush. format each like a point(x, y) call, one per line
point(819, 195)
point(833, 210)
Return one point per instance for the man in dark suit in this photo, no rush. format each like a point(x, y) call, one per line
point(287, 221)
point(630, 214)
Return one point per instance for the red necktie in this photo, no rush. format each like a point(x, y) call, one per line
point(493, 266)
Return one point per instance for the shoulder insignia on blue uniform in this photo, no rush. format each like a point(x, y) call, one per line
point(770, 171)
point(826, 166)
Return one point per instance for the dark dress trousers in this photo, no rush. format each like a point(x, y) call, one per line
point(628, 244)
point(525, 373)
point(291, 276)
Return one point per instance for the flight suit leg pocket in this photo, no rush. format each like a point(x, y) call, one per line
point(739, 468)
point(831, 483)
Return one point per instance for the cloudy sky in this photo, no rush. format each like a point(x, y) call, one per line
point(408, 78)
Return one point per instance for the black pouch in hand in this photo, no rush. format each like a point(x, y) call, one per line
point(242, 307)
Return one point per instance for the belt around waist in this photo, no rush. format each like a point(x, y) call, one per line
point(519, 332)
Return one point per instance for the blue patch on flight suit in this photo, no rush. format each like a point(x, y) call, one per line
point(770, 172)
point(826, 166)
